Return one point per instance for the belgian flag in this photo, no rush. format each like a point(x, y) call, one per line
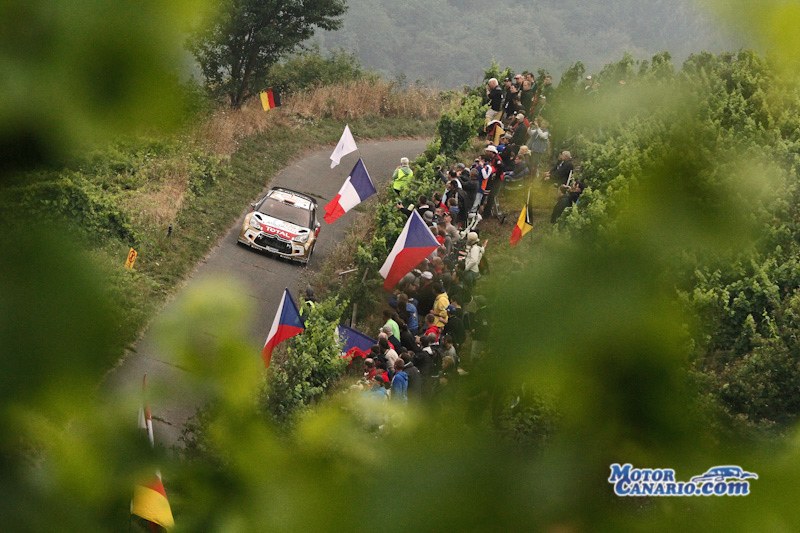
point(269, 99)
point(149, 497)
point(524, 224)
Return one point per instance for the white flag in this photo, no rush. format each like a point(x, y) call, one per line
point(346, 145)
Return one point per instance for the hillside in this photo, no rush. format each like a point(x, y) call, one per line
point(448, 42)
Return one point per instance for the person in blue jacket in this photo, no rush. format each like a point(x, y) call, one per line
point(399, 383)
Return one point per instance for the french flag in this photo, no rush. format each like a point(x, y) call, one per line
point(414, 244)
point(287, 324)
point(357, 188)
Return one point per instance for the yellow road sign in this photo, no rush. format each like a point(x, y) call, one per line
point(131, 259)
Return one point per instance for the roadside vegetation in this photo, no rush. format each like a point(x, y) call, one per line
point(669, 289)
point(172, 197)
point(654, 325)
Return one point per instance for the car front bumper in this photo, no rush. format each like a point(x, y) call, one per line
point(273, 245)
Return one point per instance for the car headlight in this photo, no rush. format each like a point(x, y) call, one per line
point(254, 223)
point(303, 237)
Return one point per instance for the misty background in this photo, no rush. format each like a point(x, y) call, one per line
point(449, 42)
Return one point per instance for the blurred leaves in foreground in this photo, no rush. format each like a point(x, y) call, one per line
point(78, 72)
point(608, 327)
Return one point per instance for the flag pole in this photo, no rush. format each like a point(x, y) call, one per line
point(361, 157)
point(528, 208)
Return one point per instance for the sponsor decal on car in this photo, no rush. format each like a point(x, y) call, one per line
point(283, 234)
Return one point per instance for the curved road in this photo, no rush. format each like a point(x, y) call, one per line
point(261, 278)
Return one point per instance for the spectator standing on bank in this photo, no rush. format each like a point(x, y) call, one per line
point(538, 143)
point(495, 96)
point(401, 178)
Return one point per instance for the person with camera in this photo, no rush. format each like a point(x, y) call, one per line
point(441, 174)
point(422, 207)
point(538, 143)
point(486, 170)
point(520, 131)
point(461, 197)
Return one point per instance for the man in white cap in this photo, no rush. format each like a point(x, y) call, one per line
point(520, 135)
point(401, 178)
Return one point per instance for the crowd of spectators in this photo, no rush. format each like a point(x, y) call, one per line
point(429, 317)
point(432, 318)
point(518, 132)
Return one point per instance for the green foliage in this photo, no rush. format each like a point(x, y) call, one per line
point(494, 72)
point(312, 364)
point(763, 385)
point(78, 74)
point(723, 134)
point(571, 79)
point(528, 421)
point(457, 129)
point(311, 68)
point(238, 46)
point(596, 325)
point(622, 70)
point(206, 171)
point(72, 198)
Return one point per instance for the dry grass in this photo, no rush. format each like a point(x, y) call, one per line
point(157, 202)
point(157, 205)
point(361, 98)
point(225, 130)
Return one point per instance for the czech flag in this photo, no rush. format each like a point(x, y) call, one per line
point(414, 244)
point(524, 224)
point(287, 324)
point(149, 497)
point(269, 99)
point(357, 188)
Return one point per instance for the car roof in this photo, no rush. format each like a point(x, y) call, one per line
point(288, 196)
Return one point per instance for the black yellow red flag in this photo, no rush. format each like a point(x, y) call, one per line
point(524, 224)
point(269, 99)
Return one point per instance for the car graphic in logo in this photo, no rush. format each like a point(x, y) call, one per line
point(723, 473)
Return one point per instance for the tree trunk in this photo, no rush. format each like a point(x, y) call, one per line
point(237, 95)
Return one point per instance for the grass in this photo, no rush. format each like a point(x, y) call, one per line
point(197, 183)
point(165, 261)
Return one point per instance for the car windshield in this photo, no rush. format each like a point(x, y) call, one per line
point(287, 212)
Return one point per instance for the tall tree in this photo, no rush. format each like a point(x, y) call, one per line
point(246, 37)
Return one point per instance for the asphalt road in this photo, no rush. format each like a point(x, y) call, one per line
point(262, 278)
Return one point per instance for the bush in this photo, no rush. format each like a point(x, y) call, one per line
point(458, 128)
point(311, 365)
point(310, 68)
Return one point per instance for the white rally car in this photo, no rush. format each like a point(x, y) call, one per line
point(283, 223)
